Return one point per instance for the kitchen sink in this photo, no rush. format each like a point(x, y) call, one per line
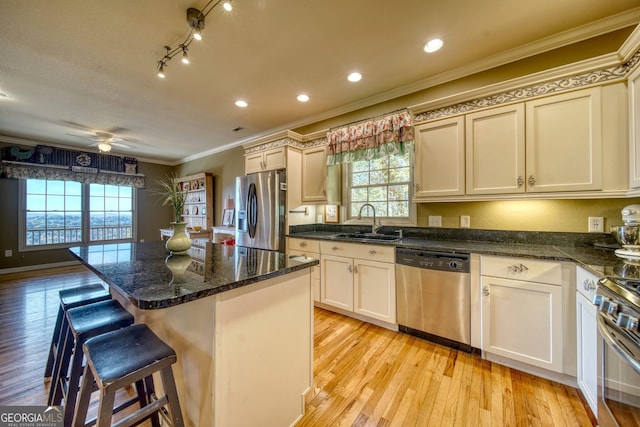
point(369, 237)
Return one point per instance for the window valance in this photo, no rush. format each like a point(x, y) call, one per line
point(371, 138)
point(21, 170)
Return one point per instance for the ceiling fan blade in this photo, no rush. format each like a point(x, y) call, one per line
point(116, 130)
point(117, 144)
point(78, 125)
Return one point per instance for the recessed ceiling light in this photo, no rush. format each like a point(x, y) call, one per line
point(303, 98)
point(3, 95)
point(241, 103)
point(354, 77)
point(433, 45)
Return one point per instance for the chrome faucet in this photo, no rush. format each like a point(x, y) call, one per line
point(374, 227)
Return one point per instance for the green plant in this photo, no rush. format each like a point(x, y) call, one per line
point(171, 194)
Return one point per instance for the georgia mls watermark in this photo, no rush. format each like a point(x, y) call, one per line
point(31, 416)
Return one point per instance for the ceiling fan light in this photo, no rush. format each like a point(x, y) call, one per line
point(104, 146)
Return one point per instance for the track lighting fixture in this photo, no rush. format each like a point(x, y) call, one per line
point(195, 19)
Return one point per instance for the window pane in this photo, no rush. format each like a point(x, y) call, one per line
point(55, 203)
point(111, 191)
point(36, 186)
point(379, 177)
point(73, 203)
point(361, 166)
point(96, 189)
point(55, 187)
point(111, 212)
point(377, 193)
point(73, 188)
point(36, 202)
point(399, 161)
point(399, 175)
point(398, 192)
point(125, 204)
point(360, 179)
point(359, 194)
point(399, 209)
point(97, 203)
point(379, 164)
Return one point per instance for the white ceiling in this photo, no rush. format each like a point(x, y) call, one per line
point(69, 67)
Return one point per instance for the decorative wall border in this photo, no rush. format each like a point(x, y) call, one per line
point(578, 81)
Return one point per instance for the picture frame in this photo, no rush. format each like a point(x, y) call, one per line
point(227, 217)
point(331, 213)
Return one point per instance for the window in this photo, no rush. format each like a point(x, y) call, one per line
point(67, 213)
point(384, 183)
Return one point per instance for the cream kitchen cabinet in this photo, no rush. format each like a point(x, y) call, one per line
point(522, 310)
point(439, 159)
point(495, 150)
point(320, 183)
point(359, 278)
point(587, 337)
point(634, 128)
point(308, 248)
point(261, 161)
point(564, 142)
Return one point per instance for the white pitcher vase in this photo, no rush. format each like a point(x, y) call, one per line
point(180, 241)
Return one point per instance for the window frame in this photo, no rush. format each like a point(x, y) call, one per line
point(410, 221)
point(85, 215)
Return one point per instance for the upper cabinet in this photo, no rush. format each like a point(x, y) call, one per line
point(634, 128)
point(495, 150)
point(266, 160)
point(320, 183)
point(564, 142)
point(439, 161)
point(547, 145)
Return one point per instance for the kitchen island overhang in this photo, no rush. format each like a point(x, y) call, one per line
point(240, 320)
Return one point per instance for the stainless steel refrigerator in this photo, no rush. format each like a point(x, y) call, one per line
point(260, 200)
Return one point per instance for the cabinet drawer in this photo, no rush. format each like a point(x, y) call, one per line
point(359, 250)
point(586, 283)
point(306, 245)
point(522, 269)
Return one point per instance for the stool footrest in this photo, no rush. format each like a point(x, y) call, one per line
point(142, 414)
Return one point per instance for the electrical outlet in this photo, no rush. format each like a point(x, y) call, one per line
point(8, 253)
point(435, 221)
point(465, 221)
point(596, 224)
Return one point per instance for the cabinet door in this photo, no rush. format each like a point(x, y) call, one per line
point(587, 339)
point(522, 321)
point(336, 281)
point(564, 142)
point(253, 163)
point(374, 286)
point(315, 271)
point(275, 159)
point(495, 151)
point(314, 175)
point(634, 128)
point(439, 163)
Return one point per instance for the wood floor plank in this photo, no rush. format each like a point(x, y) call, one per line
point(364, 375)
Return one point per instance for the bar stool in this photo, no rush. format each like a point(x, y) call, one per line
point(71, 298)
point(119, 358)
point(84, 322)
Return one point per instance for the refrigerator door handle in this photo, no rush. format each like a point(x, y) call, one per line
point(252, 210)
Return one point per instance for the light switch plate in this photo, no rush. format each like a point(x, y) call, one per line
point(435, 221)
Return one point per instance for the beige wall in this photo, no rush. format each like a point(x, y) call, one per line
point(527, 215)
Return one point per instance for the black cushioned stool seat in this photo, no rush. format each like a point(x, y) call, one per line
point(119, 358)
point(84, 322)
point(71, 298)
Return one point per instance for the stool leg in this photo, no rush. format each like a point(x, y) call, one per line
point(172, 395)
point(72, 385)
point(105, 408)
point(150, 391)
point(82, 406)
point(61, 368)
point(55, 343)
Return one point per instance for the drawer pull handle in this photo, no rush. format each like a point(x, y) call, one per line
point(350, 269)
point(518, 268)
point(335, 248)
point(355, 269)
point(589, 285)
point(303, 244)
point(373, 252)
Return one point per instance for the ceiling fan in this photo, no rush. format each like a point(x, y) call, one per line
point(104, 140)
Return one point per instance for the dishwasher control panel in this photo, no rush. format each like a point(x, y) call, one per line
point(433, 260)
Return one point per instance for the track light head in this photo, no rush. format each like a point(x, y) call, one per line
point(195, 19)
point(161, 70)
point(185, 56)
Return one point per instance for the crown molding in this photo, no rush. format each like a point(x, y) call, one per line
point(630, 45)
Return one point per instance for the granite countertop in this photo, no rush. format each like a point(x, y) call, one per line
point(571, 247)
point(148, 276)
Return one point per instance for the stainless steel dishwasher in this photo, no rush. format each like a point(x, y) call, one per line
point(433, 292)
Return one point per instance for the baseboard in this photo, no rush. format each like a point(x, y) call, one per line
point(38, 267)
point(382, 324)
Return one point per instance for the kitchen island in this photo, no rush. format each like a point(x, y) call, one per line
point(239, 319)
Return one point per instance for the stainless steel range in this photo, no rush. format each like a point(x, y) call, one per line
point(618, 302)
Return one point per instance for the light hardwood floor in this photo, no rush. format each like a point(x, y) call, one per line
point(364, 375)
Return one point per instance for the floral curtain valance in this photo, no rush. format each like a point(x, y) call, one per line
point(371, 138)
point(20, 170)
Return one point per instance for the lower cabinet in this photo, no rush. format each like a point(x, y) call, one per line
point(523, 320)
point(311, 249)
point(587, 337)
point(360, 280)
